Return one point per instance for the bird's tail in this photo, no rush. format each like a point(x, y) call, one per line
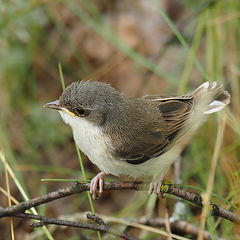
point(210, 97)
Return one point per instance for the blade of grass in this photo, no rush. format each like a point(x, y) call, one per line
point(79, 154)
point(210, 182)
point(218, 34)
point(84, 178)
point(140, 226)
point(9, 201)
point(210, 46)
point(61, 76)
point(14, 200)
point(63, 180)
point(215, 67)
point(21, 190)
point(182, 41)
point(233, 122)
point(149, 212)
point(189, 63)
point(5, 144)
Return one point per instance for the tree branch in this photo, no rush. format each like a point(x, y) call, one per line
point(81, 187)
point(98, 226)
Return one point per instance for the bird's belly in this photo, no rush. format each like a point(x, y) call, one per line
point(151, 168)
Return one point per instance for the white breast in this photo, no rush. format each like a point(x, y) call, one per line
point(91, 141)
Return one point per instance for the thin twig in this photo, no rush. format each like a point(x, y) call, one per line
point(43, 221)
point(176, 226)
point(81, 187)
point(179, 226)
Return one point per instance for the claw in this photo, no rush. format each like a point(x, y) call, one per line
point(96, 185)
point(155, 187)
point(150, 190)
point(100, 186)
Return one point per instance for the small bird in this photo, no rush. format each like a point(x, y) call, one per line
point(135, 137)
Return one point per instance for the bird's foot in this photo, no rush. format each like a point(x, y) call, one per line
point(96, 185)
point(155, 187)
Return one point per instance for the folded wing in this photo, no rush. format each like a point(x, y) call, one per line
point(175, 115)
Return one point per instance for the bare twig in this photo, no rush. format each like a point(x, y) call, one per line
point(176, 226)
point(81, 187)
point(95, 218)
point(99, 226)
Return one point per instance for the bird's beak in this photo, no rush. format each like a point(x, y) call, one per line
point(55, 105)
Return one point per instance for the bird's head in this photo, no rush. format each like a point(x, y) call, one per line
point(89, 100)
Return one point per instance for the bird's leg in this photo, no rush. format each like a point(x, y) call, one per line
point(155, 186)
point(96, 185)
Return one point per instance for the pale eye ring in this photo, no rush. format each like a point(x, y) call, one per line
point(81, 112)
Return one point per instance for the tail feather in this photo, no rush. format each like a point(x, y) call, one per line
point(214, 106)
point(212, 97)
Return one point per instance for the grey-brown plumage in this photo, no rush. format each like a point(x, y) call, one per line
point(136, 137)
point(149, 127)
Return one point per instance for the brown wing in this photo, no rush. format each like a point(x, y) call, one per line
point(175, 114)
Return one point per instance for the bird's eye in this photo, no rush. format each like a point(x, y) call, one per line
point(81, 112)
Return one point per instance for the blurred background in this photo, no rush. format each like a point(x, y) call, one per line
point(139, 47)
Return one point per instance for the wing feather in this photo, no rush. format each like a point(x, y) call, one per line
point(175, 114)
